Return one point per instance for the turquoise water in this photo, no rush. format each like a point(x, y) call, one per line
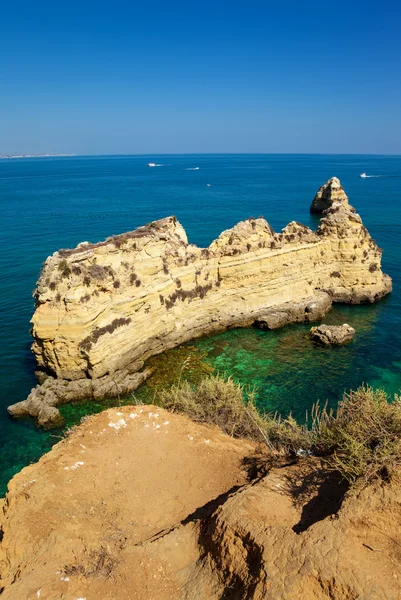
point(52, 203)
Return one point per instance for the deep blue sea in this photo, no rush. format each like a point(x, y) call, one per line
point(52, 203)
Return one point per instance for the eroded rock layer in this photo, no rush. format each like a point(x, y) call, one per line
point(103, 309)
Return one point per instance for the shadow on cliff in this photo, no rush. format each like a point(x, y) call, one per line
point(319, 494)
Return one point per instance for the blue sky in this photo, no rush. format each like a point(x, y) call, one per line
point(172, 77)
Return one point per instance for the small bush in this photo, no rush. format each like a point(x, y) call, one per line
point(132, 278)
point(97, 272)
point(363, 437)
point(87, 281)
point(116, 284)
point(335, 274)
point(52, 286)
point(373, 267)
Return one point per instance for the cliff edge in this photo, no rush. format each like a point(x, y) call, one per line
point(140, 504)
point(103, 309)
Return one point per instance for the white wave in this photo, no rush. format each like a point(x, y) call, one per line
point(364, 176)
point(192, 169)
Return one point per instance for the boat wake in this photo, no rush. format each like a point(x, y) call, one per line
point(192, 169)
point(364, 176)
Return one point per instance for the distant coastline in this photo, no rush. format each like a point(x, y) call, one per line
point(33, 155)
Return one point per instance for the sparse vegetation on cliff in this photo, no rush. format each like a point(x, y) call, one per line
point(64, 268)
point(97, 333)
point(361, 439)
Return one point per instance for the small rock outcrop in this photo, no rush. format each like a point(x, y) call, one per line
point(103, 309)
point(43, 399)
point(332, 191)
point(332, 334)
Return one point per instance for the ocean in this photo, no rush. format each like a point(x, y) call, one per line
point(52, 203)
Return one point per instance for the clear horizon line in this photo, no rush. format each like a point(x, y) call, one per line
point(75, 155)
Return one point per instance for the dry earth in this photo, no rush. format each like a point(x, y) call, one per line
point(141, 504)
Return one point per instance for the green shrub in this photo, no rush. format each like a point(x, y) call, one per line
point(363, 437)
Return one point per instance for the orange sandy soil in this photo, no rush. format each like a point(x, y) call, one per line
point(141, 504)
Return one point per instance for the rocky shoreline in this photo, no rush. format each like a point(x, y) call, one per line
point(103, 309)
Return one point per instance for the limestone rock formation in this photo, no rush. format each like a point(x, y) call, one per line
point(175, 510)
point(332, 191)
point(332, 334)
point(103, 309)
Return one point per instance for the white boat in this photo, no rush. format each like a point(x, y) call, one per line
point(363, 175)
point(151, 164)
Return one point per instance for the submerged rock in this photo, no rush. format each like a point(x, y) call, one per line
point(103, 309)
point(332, 334)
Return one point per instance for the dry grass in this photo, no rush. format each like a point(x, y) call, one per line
point(361, 440)
point(217, 401)
point(98, 563)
